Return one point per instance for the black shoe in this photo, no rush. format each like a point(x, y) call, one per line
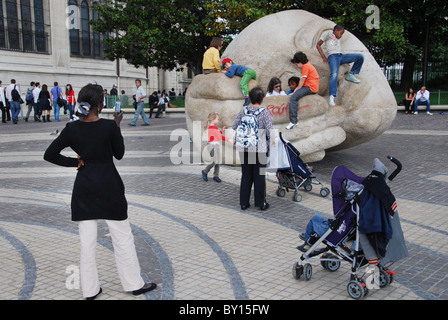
point(145, 124)
point(245, 206)
point(147, 287)
point(264, 206)
point(93, 297)
point(246, 101)
point(204, 175)
point(26, 119)
point(304, 247)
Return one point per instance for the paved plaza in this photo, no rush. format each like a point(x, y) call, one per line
point(191, 236)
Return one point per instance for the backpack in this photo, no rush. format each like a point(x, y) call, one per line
point(29, 95)
point(15, 94)
point(246, 135)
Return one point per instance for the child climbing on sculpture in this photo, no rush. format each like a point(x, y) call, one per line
point(308, 84)
point(230, 69)
point(214, 145)
point(335, 58)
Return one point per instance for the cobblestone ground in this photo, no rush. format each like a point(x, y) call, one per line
point(191, 236)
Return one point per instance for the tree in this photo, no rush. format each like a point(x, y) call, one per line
point(169, 33)
point(154, 33)
point(400, 38)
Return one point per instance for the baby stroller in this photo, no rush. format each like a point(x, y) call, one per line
point(298, 174)
point(350, 195)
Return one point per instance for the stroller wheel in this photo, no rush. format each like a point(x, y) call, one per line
point(330, 265)
point(308, 187)
point(297, 197)
point(384, 278)
point(297, 271)
point(281, 192)
point(356, 290)
point(307, 271)
point(324, 192)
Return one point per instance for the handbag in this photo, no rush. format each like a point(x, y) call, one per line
point(60, 102)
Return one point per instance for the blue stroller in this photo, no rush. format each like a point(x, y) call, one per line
point(342, 239)
point(298, 174)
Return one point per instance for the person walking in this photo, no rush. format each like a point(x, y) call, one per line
point(56, 93)
point(13, 95)
point(71, 100)
point(140, 95)
point(37, 108)
point(98, 191)
point(29, 100)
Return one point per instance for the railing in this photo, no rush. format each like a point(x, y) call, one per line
point(25, 41)
point(127, 100)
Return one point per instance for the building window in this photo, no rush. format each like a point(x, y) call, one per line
point(85, 29)
point(83, 41)
point(73, 27)
point(2, 28)
point(39, 26)
point(12, 20)
point(22, 26)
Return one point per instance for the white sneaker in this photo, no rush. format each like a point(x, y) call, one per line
point(290, 126)
point(372, 278)
point(416, 112)
point(351, 77)
point(331, 101)
point(429, 113)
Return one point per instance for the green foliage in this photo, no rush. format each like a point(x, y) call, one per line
point(154, 33)
point(166, 33)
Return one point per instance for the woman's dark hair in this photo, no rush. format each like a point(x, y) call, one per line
point(299, 57)
point(216, 42)
point(44, 87)
point(272, 84)
point(70, 89)
point(93, 94)
point(256, 95)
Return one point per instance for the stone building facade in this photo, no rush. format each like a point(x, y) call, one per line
point(51, 40)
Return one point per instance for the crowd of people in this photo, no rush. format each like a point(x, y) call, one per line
point(44, 104)
point(39, 99)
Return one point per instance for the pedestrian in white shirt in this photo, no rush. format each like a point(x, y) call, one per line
point(37, 109)
point(14, 100)
point(422, 98)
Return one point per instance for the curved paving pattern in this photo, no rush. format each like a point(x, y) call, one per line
point(191, 237)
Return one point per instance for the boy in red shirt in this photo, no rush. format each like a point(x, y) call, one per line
point(309, 84)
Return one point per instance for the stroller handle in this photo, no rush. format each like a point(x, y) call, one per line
point(397, 170)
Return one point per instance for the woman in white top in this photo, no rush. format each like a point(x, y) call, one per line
point(275, 88)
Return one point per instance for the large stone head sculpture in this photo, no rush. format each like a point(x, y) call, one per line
point(363, 110)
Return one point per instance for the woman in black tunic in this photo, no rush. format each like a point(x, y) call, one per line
point(44, 103)
point(98, 191)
